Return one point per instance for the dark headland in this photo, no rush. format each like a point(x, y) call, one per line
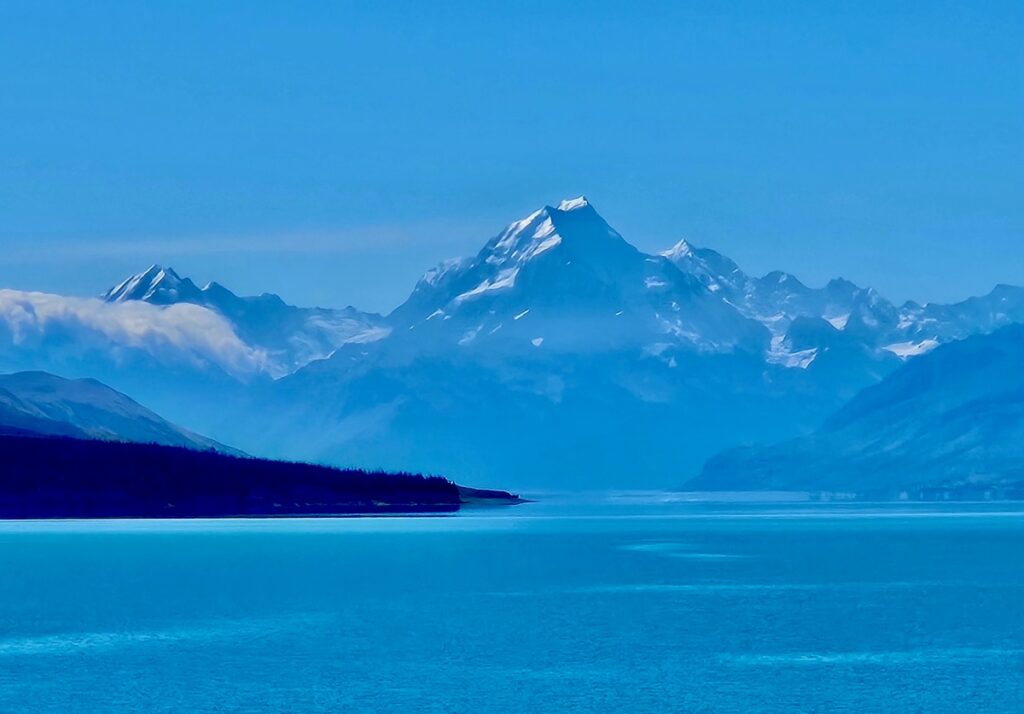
point(47, 477)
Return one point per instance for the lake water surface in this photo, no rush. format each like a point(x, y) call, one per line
point(557, 606)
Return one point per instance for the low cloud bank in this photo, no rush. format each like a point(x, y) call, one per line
point(177, 333)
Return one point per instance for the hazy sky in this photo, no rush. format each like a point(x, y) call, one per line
point(333, 151)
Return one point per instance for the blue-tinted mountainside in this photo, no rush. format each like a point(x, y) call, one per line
point(286, 337)
point(78, 449)
point(557, 356)
point(47, 404)
point(947, 423)
point(561, 356)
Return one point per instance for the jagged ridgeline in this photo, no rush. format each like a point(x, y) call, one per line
point(558, 356)
point(59, 477)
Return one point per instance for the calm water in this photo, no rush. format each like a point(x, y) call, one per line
point(545, 607)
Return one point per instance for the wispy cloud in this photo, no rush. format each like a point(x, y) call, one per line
point(41, 323)
point(439, 234)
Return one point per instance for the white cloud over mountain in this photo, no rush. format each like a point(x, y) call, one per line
point(558, 355)
point(180, 333)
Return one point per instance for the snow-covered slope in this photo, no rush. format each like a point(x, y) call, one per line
point(559, 355)
point(158, 286)
point(949, 423)
point(778, 300)
point(42, 403)
point(562, 279)
point(562, 356)
point(932, 324)
point(289, 337)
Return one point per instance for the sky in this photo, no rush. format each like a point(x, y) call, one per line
point(331, 152)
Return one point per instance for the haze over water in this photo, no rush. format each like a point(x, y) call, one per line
point(568, 607)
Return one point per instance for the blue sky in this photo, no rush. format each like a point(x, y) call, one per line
point(331, 152)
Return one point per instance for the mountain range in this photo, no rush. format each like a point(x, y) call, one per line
point(286, 337)
point(949, 423)
point(559, 356)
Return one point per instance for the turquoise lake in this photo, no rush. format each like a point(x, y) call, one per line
point(560, 606)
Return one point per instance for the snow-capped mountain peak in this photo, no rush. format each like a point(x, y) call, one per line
point(574, 220)
point(717, 272)
point(572, 204)
point(563, 237)
point(563, 278)
point(573, 230)
point(156, 285)
point(679, 251)
point(290, 336)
